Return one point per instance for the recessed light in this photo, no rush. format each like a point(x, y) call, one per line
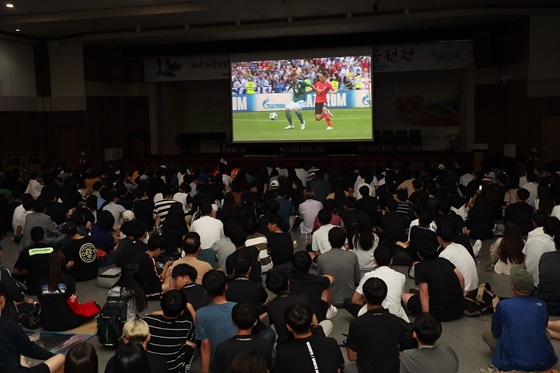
point(9, 5)
point(18, 30)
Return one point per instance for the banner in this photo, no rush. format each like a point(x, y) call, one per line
point(422, 57)
point(278, 101)
point(169, 69)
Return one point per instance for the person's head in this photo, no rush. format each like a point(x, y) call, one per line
point(522, 282)
point(443, 206)
point(272, 206)
point(308, 193)
point(191, 243)
point(70, 229)
point(275, 222)
point(139, 230)
point(173, 303)
point(298, 318)
point(249, 362)
point(136, 330)
point(294, 77)
point(242, 264)
point(37, 234)
point(538, 219)
point(156, 245)
point(324, 216)
point(427, 329)
point(131, 358)
point(81, 358)
point(427, 250)
point(391, 205)
point(375, 291)
point(425, 217)
point(105, 220)
point(40, 205)
point(244, 315)
point(301, 262)
point(238, 237)
point(383, 256)
point(167, 191)
point(183, 274)
point(337, 237)
point(551, 226)
point(364, 190)
point(214, 283)
point(402, 195)
point(205, 207)
point(277, 282)
point(445, 233)
point(57, 268)
point(523, 194)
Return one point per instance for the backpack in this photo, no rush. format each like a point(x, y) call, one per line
point(111, 321)
point(480, 301)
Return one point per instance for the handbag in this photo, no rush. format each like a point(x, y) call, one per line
point(480, 301)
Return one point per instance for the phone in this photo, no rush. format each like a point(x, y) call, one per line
point(480, 187)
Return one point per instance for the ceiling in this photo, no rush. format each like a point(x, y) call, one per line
point(148, 22)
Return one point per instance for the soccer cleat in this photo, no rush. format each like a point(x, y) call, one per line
point(328, 111)
point(303, 125)
point(329, 128)
point(289, 127)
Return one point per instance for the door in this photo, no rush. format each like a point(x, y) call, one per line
point(550, 136)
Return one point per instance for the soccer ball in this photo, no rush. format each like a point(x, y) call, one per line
point(273, 116)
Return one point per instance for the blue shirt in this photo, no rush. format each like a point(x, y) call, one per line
point(519, 323)
point(214, 322)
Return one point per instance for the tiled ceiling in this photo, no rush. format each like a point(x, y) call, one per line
point(132, 22)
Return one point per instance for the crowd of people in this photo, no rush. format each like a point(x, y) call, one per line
point(215, 247)
point(351, 73)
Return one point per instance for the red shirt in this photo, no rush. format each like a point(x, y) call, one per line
point(323, 88)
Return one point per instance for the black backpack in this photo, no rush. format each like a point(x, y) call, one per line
point(111, 321)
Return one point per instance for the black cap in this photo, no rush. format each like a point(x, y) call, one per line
point(70, 229)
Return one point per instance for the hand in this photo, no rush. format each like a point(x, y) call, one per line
point(168, 263)
point(70, 264)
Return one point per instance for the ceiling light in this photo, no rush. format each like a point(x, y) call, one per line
point(349, 15)
point(18, 30)
point(9, 5)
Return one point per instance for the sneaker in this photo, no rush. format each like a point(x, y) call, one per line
point(289, 127)
point(329, 128)
point(331, 312)
point(303, 125)
point(328, 111)
point(476, 247)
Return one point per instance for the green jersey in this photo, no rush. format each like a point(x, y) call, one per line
point(299, 90)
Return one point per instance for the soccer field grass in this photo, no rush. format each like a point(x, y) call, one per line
point(348, 124)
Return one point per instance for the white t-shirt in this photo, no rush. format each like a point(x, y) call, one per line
point(464, 262)
point(395, 287)
point(537, 244)
point(209, 229)
point(320, 240)
point(365, 258)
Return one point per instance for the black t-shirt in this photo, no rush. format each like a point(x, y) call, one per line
point(549, 275)
point(253, 252)
point(88, 215)
point(125, 254)
point(56, 315)
point(418, 234)
point(242, 290)
point(276, 309)
point(394, 227)
point(143, 211)
point(57, 212)
point(368, 205)
point(312, 286)
point(157, 363)
point(229, 349)
point(375, 337)
point(34, 258)
point(84, 254)
point(281, 248)
point(196, 295)
point(147, 275)
point(301, 356)
point(444, 288)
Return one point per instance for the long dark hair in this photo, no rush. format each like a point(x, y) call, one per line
point(511, 247)
point(175, 217)
point(57, 269)
point(364, 235)
point(127, 281)
point(131, 358)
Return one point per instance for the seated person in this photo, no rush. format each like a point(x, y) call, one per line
point(280, 244)
point(428, 357)
point(238, 237)
point(128, 288)
point(307, 352)
point(148, 275)
point(172, 332)
point(33, 262)
point(245, 317)
point(184, 277)
point(13, 295)
point(549, 284)
point(138, 331)
point(191, 249)
point(440, 286)
point(240, 289)
point(14, 343)
point(379, 354)
point(82, 253)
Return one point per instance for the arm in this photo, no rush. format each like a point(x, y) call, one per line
point(358, 299)
point(461, 279)
point(424, 296)
point(205, 349)
point(357, 272)
point(352, 355)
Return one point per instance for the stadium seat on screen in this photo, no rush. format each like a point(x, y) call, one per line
point(388, 140)
point(401, 139)
point(415, 139)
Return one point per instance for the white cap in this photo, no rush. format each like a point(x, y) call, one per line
point(127, 215)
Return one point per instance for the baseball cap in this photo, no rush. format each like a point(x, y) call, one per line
point(274, 184)
point(521, 280)
point(70, 229)
point(143, 177)
point(127, 215)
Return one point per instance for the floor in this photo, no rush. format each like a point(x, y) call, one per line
point(463, 335)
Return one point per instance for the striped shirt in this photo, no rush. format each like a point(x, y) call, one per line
point(168, 339)
point(162, 207)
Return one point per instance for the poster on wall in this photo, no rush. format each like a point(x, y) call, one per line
point(181, 68)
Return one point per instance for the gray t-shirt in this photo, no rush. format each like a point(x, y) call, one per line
point(345, 268)
point(439, 358)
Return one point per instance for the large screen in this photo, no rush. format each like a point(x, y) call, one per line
point(302, 97)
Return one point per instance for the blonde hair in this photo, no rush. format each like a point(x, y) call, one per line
point(136, 329)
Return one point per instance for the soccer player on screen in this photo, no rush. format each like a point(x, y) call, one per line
point(321, 105)
point(299, 100)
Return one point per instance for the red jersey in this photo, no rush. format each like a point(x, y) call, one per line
point(323, 88)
